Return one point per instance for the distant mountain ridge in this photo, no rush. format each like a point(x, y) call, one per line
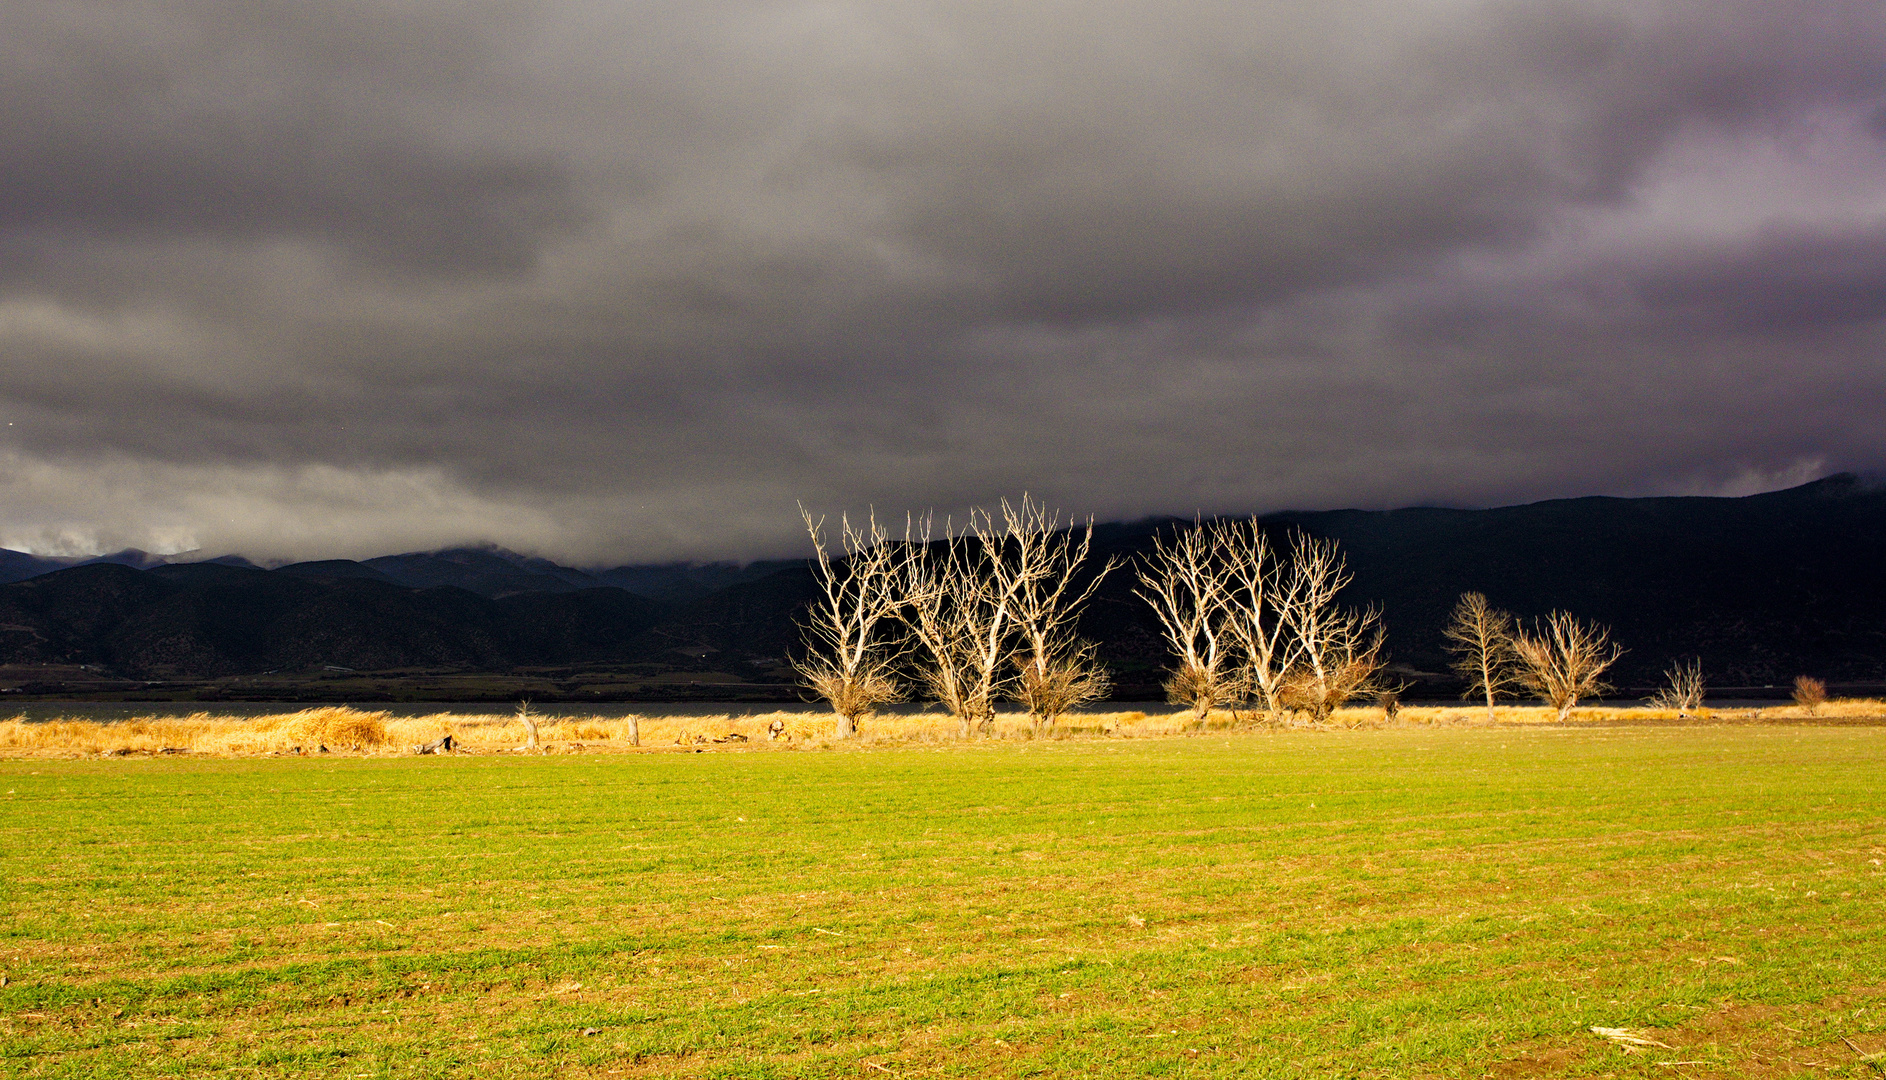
point(488, 570)
point(1760, 588)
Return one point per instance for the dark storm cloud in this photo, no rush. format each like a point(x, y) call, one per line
point(1783, 281)
point(211, 122)
point(617, 281)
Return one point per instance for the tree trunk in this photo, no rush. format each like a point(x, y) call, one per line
point(847, 726)
point(635, 730)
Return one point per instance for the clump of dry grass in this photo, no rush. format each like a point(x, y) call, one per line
point(339, 727)
point(336, 727)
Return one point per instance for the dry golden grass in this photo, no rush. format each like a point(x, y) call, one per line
point(344, 730)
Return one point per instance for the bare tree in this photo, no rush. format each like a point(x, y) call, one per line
point(1338, 650)
point(1072, 677)
point(1682, 689)
point(1254, 616)
point(962, 613)
point(1481, 639)
point(1055, 670)
point(852, 633)
point(530, 726)
point(1562, 659)
point(1187, 582)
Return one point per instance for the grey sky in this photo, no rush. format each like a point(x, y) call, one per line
point(620, 281)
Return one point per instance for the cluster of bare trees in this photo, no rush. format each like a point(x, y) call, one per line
point(987, 613)
point(979, 615)
point(1559, 658)
point(1249, 625)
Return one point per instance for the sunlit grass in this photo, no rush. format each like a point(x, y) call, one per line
point(1415, 901)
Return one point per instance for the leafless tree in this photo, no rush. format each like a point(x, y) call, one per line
point(1055, 670)
point(1338, 651)
point(852, 633)
point(1682, 689)
point(1481, 639)
point(962, 613)
point(1187, 580)
point(1255, 579)
point(1562, 659)
point(530, 726)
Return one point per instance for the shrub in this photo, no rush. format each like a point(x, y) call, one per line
point(1810, 693)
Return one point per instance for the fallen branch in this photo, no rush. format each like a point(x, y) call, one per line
point(441, 745)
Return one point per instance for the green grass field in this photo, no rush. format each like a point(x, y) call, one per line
point(1388, 903)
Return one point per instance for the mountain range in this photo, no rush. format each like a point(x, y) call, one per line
point(487, 570)
point(1761, 588)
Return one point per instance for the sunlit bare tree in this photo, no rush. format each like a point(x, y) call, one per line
point(1255, 623)
point(1683, 687)
point(962, 613)
point(1338, 651)
point(1563, 660)
point(1481, 639)
point(1055, 670)
point(1187, 580)
point(853, 637)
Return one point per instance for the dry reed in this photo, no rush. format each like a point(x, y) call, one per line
point(354, 732)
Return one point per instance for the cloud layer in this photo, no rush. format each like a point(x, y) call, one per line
point(618, 282)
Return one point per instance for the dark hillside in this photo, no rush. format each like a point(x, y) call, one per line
point(679, 583)
point(335, 570)
point(1761, 588)
point(489, 572)
point(738, 629)
point(579, 627)
point(68, 616)
point(19, 566)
